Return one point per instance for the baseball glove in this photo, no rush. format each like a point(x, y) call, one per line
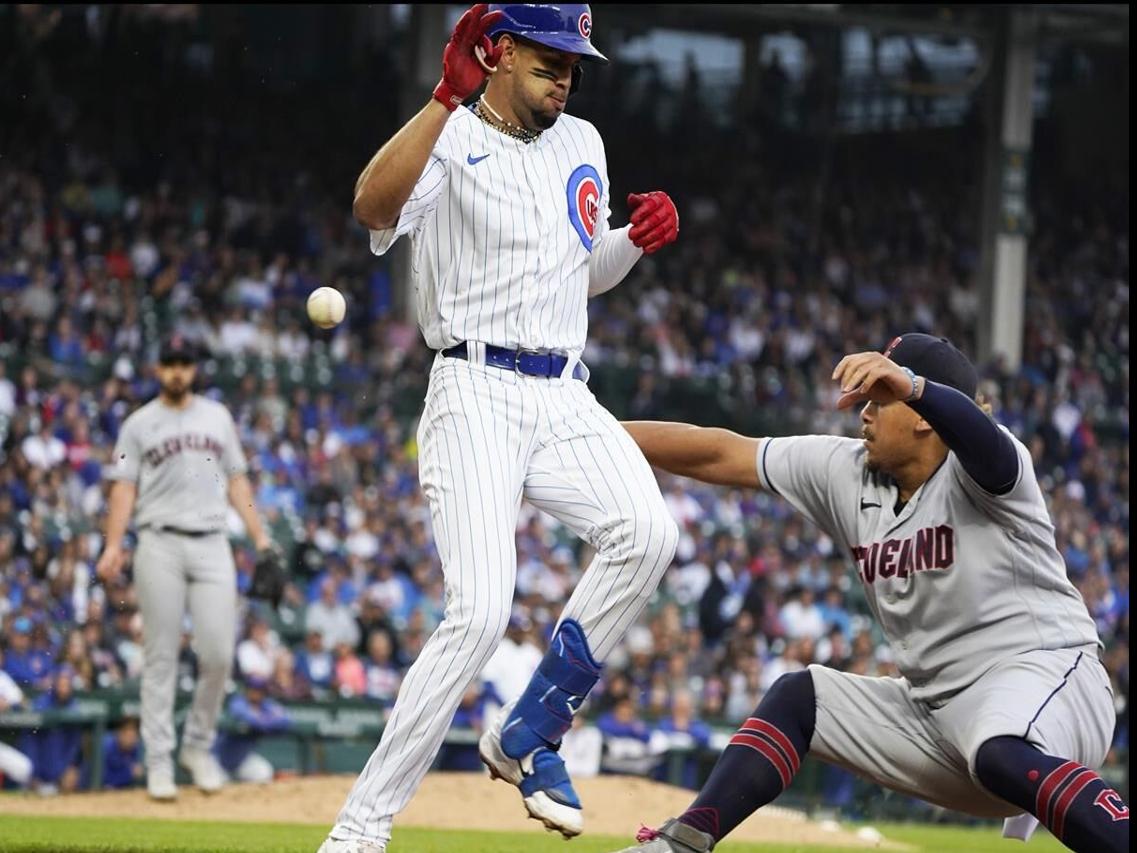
point(269, 576)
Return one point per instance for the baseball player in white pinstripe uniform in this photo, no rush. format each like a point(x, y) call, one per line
point(1003, 707)
point(507, 205)
point(178, 465)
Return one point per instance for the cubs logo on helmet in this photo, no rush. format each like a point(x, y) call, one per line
point(566, 26)
point(584, 190)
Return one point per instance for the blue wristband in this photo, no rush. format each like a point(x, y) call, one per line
point(911, 376)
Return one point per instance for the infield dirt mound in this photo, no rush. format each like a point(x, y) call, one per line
point(613, 805)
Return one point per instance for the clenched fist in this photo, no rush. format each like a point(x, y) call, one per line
point(655, 221)
point(464, 69)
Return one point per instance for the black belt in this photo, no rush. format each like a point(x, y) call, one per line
point(178, 531)
point(525, 361)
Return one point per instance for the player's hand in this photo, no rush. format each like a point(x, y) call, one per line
point(871, 376)
point(110, 563)
point(469, 57)
point(655, 221)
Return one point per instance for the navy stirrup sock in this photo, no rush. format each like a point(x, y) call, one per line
point(760, 760)
point(1070, 800)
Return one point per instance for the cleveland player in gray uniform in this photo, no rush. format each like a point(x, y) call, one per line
point(178, 464)
point(1003, 706)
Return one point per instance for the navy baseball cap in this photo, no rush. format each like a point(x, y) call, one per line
point(177, 348)
point(936, 359)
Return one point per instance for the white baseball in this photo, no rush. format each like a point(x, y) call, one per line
point(326, 307)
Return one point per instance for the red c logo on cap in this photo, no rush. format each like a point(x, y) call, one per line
point(584, 24)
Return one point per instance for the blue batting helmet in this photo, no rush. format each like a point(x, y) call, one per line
point(566, 27)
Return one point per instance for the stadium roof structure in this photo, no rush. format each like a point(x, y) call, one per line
point(1103, 22)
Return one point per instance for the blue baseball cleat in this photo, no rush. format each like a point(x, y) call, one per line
point(540, 774)
point(520, 747)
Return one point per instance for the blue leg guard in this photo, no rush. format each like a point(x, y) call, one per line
point(557, 689)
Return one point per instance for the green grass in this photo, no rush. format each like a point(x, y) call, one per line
point(21, 834)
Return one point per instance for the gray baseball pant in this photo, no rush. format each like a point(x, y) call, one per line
point(171, 571)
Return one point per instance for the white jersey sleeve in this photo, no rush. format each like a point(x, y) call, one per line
point(819, 475)
point(604, 212)
point(422, 202)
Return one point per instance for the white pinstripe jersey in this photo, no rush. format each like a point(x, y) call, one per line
point(501, 234)
point(959, 580)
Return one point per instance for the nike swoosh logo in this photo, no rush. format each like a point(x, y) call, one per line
point(473, 161)
point(867, 505)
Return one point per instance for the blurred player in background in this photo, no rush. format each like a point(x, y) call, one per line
point(178, 467)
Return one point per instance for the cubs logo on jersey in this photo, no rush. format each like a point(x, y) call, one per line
point(584, 190)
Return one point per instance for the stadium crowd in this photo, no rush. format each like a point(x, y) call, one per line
point(766, 289)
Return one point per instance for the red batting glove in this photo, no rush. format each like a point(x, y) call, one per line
point(655, 221)
point(469, 57)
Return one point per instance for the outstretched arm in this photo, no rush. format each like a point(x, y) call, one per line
point(709, 454)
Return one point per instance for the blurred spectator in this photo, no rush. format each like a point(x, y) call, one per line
point(350, 678)
point(288, 684)
point(254, 715)
point(256, 655)
point(834, 612)
point(514, 660)
point(627, 740)
point(331, 618)
point(55, 750)
point(122, 756)
point(7, 393)
point(582, 748)
point(30, 668)
point(128, 642)
point(470, 715)
point(14, 765)
point(381, 672)
point(314, 663)
point(78, 659)
point(683, 732)
point(42, 449)
point(800, 615)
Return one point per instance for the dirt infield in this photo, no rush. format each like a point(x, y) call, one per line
point(612, 806)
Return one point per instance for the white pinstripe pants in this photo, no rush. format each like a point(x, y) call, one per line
point(487, 438)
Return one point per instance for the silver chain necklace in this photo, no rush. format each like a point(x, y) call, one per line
point(501, 125)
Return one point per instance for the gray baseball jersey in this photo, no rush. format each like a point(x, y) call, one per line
point(181, 460)
point(960, 580)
